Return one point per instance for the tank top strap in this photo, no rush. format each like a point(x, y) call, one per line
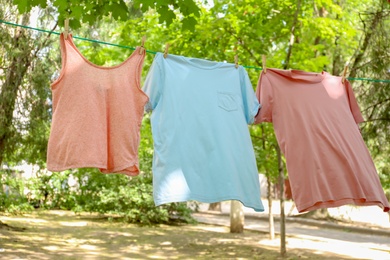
point(64, 60)
point(63, 50)
point(140, 53)
point(73, 53)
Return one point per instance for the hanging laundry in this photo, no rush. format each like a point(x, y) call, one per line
point(202, 147)
point(315, 119)
point(97, 113)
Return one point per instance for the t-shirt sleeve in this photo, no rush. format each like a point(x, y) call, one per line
point(355, 110)
point(153, 84)
point(251, 105)
point(265, 96)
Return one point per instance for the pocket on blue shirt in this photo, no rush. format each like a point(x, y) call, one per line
point(227, 101)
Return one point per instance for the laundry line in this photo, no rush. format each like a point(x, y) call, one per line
point(154, 52)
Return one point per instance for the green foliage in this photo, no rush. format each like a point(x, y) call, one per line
point(85, 11)
point(24, 106)
point(128, 198)
point(264, 145)
point(187, 9)
point(375, 97)
point(88, 190)
point(12, 197)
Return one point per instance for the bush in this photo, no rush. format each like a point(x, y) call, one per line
point(12, 198)
point(127, 197)
point(88, 190)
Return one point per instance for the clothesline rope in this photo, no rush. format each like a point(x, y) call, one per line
point(152, 52)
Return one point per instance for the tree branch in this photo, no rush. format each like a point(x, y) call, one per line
point(246, 48)
point(377, 104)
point(292, 36)
point(40, 47)
point(377, 119)
point(367, 37)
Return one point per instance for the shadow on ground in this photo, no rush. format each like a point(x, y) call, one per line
point(64, 235)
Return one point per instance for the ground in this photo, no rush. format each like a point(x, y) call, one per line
point(64, 235)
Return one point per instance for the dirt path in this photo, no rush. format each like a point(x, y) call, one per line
point(341, 240)
point(62, 235)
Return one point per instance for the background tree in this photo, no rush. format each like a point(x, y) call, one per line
point(372, 60)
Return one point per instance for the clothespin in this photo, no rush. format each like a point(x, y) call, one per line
point(236, 60)
point(344, 73)
point(264, 59)
point(142, 49)
point(66, 28)
point(166, 50)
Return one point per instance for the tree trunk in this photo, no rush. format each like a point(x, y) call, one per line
point(271, 223)
point(282, 214)
point(280, 162)
point(9, 90)
point(366, 42)
point(270, 211)
point(236, 217)
point(292, 36)
point(216, 206)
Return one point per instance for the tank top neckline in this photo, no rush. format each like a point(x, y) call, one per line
point(70, 41)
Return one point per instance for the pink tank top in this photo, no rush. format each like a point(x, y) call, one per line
point(97, 113)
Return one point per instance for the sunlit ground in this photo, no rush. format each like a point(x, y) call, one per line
point(63, 235)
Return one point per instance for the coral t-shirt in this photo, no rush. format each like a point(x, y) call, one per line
point(315, 120)
point(97, 113)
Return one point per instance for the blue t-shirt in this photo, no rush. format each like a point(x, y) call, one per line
point(202, 147)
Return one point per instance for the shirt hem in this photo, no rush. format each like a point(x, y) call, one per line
point(102, 168)
point(257, 208)
point(341, 202)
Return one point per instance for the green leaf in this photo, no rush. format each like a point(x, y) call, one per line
point(89, 18)
point(189, 7)
point(166, 14)
point(61, 5)
point(189, 23)
point(74, 24)
point(23, 5)
point(77, 12)
point(41, 3)
point(144, 4)
point(119, 11)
